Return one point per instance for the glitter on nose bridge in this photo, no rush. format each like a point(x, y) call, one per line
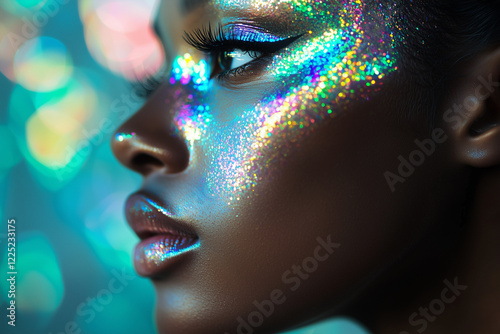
point(185, 70)
point(192, 116)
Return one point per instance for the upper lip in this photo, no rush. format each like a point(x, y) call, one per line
point(148, 216)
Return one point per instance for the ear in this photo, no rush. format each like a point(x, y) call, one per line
point(473, 117)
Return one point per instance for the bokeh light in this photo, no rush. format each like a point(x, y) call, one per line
point(8, 45)
point(62, 183)
point(10, 152)
point(124, 16)
point(32, 4)
point(332, 326)
point(42, 64)
point(119, 36)
point(40, 287)
point(21, 7)
point(58, 177)
point(101, 224)
point(54, 133)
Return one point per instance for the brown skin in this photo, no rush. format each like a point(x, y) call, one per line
point(396, 248)
point(469, 252)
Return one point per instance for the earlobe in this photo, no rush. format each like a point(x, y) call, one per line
point(474, 123)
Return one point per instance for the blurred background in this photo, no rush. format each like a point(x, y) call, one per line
point(66, 68)
point(66, 74)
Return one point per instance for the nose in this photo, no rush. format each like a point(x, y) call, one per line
point(148, 142)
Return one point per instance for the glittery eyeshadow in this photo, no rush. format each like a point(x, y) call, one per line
point(343, 57)
point(244, 32)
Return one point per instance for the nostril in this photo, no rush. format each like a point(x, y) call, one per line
point(146, 160)
point(148, 149)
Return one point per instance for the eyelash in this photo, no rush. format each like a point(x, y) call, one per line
point(145, 87)
point(213, 41)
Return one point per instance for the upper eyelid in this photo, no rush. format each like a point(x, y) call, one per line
point(263, 47)
point(249, 33)
point(208, 39)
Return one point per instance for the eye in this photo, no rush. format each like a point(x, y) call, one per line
point(235, 59)
point(236, 53)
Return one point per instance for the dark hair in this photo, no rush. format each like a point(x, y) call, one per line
point(436, 36)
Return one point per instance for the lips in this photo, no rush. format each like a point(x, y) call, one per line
point(164, 240)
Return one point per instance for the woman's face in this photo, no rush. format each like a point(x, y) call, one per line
point(266, 201)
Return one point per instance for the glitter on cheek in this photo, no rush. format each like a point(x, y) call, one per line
point(344, 57)
point(320, 78)
point(193, 120)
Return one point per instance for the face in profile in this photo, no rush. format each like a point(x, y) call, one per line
point(282, 185)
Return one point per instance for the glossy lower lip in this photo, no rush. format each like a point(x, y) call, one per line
point(155, 254)
point(164, 239)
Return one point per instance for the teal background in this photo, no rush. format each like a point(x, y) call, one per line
point(72, 241)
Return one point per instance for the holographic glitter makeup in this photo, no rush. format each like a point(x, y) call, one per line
point(162, 238)
point(243, 32)
point(185, 70)
point(166, 247)
point(192, 118)
point(345, 52)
